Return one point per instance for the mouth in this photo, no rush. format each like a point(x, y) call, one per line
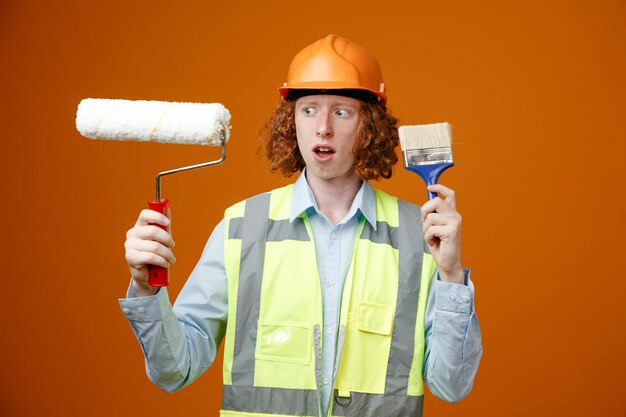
point(323, 151)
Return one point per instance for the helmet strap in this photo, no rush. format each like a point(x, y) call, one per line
point(362, 95)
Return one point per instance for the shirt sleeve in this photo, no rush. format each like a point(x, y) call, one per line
point(453, 339)
point(180, 342)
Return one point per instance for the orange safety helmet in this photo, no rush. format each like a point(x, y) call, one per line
point(335, 63)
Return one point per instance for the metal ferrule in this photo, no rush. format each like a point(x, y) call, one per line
point(188, 168)
point(427, 156)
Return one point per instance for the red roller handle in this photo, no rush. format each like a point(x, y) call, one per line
point(159, 276)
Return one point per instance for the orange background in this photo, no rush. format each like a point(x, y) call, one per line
point(535, 92)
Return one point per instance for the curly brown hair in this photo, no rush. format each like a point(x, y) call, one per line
point(374, 149)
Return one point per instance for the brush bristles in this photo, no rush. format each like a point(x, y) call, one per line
point(436, 135)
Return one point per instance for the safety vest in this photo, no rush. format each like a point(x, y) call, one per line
point(272, 349)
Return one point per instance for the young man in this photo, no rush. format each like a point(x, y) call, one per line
point(333, 298)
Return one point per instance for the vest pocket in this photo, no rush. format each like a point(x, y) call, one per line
point(375, 318)
point(284, 342)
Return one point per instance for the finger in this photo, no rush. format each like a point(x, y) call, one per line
point(448, 193)
point(150, 246)
point(452, 223)
point(168, 214)
point(453, 218)
point(151, 232)
point(429, 207)
point(435, 219)
point(436, 205)
point(148, 216)
point(137, 259)
point(435, 232)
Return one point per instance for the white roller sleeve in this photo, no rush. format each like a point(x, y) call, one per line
point(158, 121)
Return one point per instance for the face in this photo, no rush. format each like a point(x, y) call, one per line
point(326, 128)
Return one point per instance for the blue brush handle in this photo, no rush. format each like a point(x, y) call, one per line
point(430, 174)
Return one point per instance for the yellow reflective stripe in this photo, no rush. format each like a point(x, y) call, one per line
point(416, 384)
point(281, 303)
point(280, 204)
point(236, 210)
point(279, 296)
point(386, 209)
point(291, 300)
point(228, 413)
point(347, 287)
point(307, 225)
point(369, 317)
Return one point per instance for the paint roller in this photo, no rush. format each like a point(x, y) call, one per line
point(156, 121)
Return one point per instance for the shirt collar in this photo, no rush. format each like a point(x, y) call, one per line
point(302, 199)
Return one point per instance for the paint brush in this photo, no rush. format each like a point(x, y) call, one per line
point(427, 150)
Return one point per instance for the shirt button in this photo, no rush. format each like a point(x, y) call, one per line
point(453, 297)
point(333, 235)
point(141, 309)
point(332, 281)
point(126, 310)
point(325, 381)
point(329, 330)
point(465, 299)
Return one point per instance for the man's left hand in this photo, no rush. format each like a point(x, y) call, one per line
point(442, 232)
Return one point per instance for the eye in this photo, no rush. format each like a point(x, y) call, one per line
point(342, 112)
point(308, 110)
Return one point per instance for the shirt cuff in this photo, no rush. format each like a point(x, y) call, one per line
point(150, 308)
point(454, 297)
point(130, 292)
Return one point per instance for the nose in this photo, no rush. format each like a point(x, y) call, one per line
point(324, 126)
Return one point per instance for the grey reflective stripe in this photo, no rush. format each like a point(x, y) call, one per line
point(264, 400)
point(317, 344)
point(410, 256)
point(278, 230)
point(234, 228)
point(383, 234)
point(249, 288)
point(378, 405)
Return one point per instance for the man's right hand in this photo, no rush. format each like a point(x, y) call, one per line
point(147, 244)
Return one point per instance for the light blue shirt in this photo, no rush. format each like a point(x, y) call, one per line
point(180, 343)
